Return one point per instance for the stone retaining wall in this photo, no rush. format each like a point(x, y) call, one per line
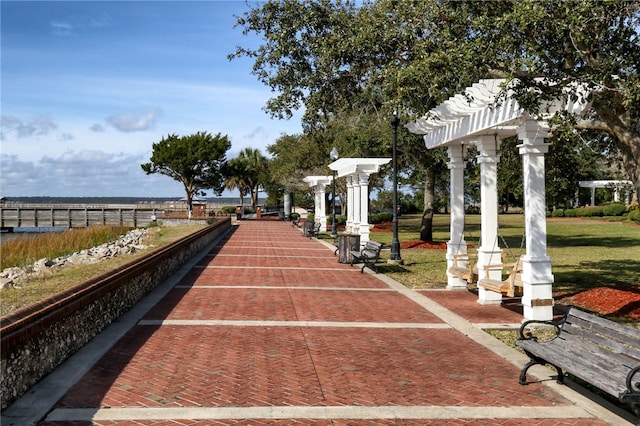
point(36, 339)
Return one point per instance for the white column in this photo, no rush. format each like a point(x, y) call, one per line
point(537, 279)
point(287, 204)
point(364, 208)
point(355, 226)
point(593, 196)
point(349, 224)
point(456, 243)
point(321, 208)
point(489, 252)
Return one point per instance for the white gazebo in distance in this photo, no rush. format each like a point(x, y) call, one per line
point(319, 183)
point(616, 185)
point(357, 172)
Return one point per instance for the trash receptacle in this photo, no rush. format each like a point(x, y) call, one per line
point(347, 243)
point(238, 212)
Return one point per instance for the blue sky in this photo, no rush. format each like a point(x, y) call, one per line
point(89, 86)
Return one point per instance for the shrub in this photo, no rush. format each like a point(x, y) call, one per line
point(589, 211)
point(229, 209)
point(634, 215)
point(557, 213)
point(613, 209)
point(294, 216)
point(381, 217)
point(570, 213)
point(340, 220)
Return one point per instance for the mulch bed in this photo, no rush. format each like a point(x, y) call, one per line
point(413, 244)
point(609, 301)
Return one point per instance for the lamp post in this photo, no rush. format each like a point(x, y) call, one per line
point(334, 226)
point(395, 243)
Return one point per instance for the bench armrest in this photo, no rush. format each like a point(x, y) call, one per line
point(496, 266)
point(557, 326)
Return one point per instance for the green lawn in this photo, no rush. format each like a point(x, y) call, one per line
point(585, 252)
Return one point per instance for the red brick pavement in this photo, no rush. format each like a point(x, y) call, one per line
point(266, 271)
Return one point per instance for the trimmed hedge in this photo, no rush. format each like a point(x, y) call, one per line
point(557, 213)
point(381, 217)
point(614, 209)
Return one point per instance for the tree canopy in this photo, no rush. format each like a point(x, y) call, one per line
point(195, 160)
point(324, 55)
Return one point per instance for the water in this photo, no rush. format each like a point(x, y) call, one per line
point(20, 233)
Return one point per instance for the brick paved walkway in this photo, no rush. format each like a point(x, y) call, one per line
point(269, 329)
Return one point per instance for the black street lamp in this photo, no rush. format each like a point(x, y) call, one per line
point(334, 226)
point(395, 243)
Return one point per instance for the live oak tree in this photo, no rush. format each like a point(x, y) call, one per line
point(589, 49)
point(195, 160)
point(376, 56)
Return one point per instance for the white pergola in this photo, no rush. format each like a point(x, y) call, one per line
point(357, 172)
point(616, 185)
point(319, 183)
point(479, 117)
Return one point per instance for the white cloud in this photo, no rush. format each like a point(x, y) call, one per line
point(97, 127)
point(84, 174)
point(36, 126)
point(61, 28)
point(134, 122)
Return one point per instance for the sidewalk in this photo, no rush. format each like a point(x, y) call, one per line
point(269, 329)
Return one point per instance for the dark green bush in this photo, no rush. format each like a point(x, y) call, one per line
point(557, 213)
point(634, 215)
point(570, 213)
point(229, 209)
point(340, 220)
point(613, 209)
point(592, 211)
point(381, 217)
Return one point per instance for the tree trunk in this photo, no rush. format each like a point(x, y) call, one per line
point(628, 142)
point(426, 227)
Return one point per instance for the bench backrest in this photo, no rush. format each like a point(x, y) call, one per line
point(372, 246)
point(596, 334)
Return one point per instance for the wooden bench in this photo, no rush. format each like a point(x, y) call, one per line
point(507, 286)
point(603, 353)
point(369, 255)
point(468, 272)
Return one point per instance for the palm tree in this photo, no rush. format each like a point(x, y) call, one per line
point(256, 172)
point(236, 171)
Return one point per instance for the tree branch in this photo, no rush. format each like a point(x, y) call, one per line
point(593, 125)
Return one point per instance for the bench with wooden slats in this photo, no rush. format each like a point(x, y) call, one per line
point(369, 255)
point(601, 352)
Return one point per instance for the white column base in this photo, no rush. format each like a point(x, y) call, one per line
point(537, 298)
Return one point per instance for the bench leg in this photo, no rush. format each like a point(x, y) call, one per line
point(523, 374)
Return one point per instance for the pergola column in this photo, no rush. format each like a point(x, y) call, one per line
point(537, 279)
point(456, 243)
point(287, 204)
point(364, 208)
point(321, 209)
point(350, 208)
point(355, 225)
point(489, 251)
point(319, 184)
